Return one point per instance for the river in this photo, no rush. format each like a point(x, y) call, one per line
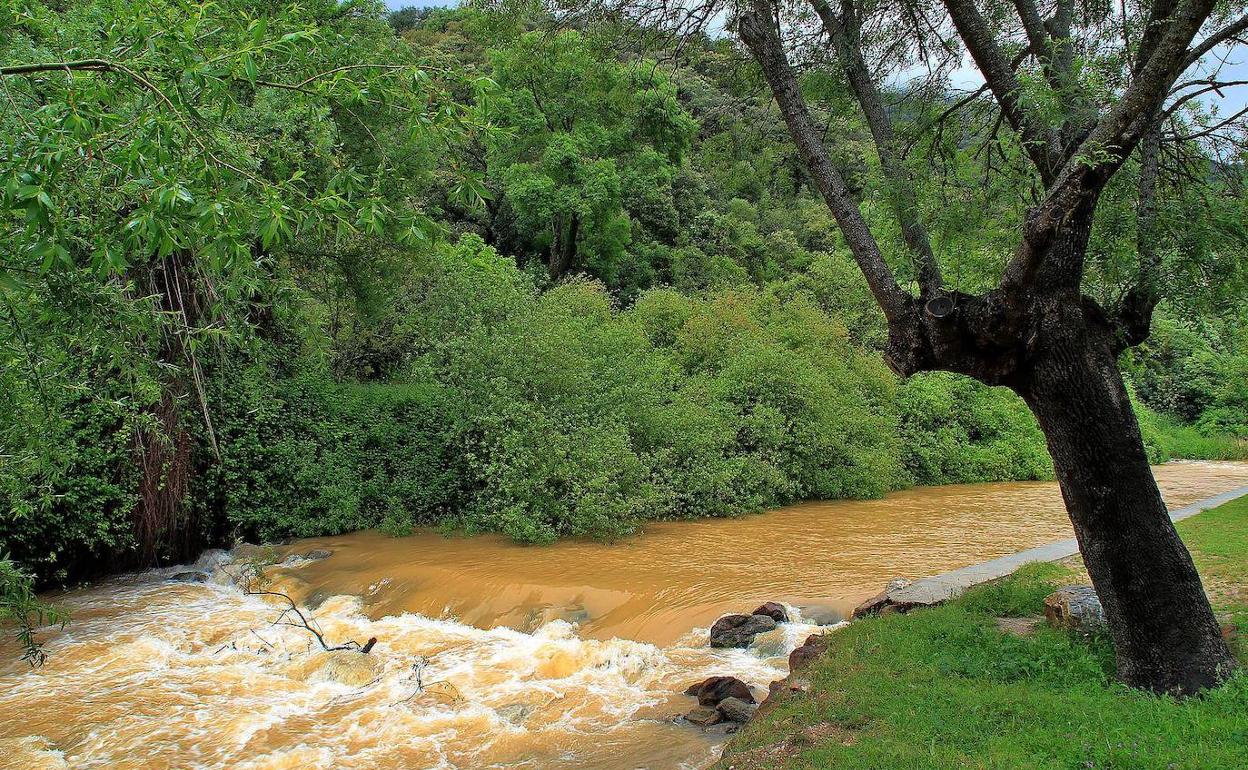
point(489, 654)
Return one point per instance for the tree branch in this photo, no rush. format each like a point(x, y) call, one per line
point(1135, 312)
point(845, 31)
point(1110, 142)
point(1223, 35)
point(757, 29)
point(62, 66)
point(1001, 79)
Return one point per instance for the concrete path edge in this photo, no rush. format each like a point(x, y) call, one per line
point(940, 588)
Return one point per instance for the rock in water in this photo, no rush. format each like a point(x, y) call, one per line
point(1074, 607)
point(739, 630)
point(190, 576)
point(515, 713)
point(711, 691)
point(771, 644)
point(736, 710)
point(347, 667)
point(773, 610)
point(821, 615)
point(703, 717)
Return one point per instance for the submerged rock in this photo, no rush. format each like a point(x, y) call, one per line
point(739, 630)
point(190, 576)
point(736, 710)
point(773, 610)
point(347, 667)
point(515, 713)
point(821, 615)
point(710, 692)
point(1075, 607)
point(703, 717)
point(771, 644)
point(296, 560)
point(212, 560)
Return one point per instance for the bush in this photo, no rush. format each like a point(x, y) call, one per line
point(954, 429)
point(307, 457)
point(493, 407)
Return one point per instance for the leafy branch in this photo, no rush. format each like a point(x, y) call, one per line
point(251, 580)
point(20, 605)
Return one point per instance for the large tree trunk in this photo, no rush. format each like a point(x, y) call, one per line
point(1164, 632)
point(1034, 332)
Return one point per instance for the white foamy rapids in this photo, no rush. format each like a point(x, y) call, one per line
point(159, 674)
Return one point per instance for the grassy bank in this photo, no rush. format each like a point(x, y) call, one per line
point(947, 688)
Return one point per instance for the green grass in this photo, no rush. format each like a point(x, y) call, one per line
point(1218, 540)
point(944, 688)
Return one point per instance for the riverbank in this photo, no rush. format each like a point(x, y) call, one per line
point(955, 687)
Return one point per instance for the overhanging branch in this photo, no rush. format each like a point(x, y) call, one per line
point(1001, 79)
point(758, 30)
point(845, 33)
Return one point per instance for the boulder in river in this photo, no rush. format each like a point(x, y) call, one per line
point(821, 614)
point(710, 692)
point(736, 710)
point(297, 560)
point(773, 610)
point(1075, 607)
point(703, 716)
point(771, 644)
point(739, 630)
point(212, 560)
point(189, 576)
point(515, 713)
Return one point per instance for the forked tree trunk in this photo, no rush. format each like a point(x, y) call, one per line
point(1035, 333)
point(1164, 631)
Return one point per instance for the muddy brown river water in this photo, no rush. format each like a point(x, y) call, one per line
point(489, 655)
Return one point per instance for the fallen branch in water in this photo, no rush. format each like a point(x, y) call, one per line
point(249, 578)
point(441, 688)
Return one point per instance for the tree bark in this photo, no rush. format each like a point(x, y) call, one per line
point(1036, 334)
point(563, 248)
point(1164, 631)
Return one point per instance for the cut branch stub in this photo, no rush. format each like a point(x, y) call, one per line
point(939, 307)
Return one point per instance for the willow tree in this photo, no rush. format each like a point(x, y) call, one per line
point(157, 159)
point(1081, 88)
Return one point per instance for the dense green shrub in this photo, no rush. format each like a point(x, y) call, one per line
point(955, 430)
point(67, 505)
point(306, 456)
point(495, 407)
point(73, 397)
point(1175, 370)
point(1228, 411)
